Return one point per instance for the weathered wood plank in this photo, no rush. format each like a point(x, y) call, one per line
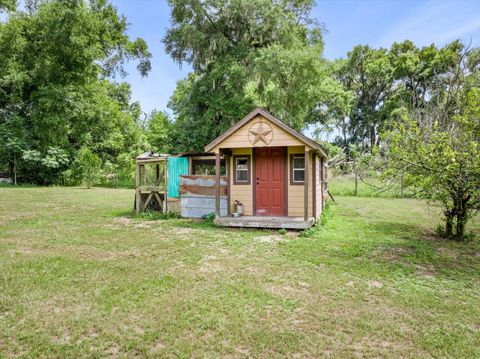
point(305, 188)
point(147, 201)
point(200, 180)
point(200, 190)
point(217, 183)
point(151, 188)
point(262, 222)
point(138, 196)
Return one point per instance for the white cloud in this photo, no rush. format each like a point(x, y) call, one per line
point(437, 22)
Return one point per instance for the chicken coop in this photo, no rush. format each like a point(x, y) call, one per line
point(180, 183)
point(151, 182)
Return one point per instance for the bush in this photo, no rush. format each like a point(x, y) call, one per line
point(209, 218)
point(87, 166)
point(154, 215)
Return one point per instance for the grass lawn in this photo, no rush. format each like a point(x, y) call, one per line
point(344, 185)
point(79, 278)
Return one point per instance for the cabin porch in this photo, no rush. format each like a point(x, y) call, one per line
point(266, 222)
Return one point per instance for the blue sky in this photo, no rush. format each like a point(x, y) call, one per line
point(348, 22)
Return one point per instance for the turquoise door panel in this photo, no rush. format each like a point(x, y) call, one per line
point(176, 166)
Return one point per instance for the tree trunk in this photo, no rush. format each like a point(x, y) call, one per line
point(448, 224)
point(462, 216)
point(13, 169)
point(401, 186)
point(356, 182)
point(461, 224)
point(14, 174)
point(373, 137)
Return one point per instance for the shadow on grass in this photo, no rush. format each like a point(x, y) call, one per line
point(388, 249)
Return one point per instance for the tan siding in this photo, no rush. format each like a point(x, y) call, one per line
point(241, 193)
point(244, 193)
point(296, 192)
point(239, 139)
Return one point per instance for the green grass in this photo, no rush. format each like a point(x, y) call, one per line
point(81, 277)
point(345, 186)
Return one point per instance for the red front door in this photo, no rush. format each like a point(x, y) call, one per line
point(270, 181)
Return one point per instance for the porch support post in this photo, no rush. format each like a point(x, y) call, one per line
point(305, 188)
point(314, 184)
point(138, 194)
point(217, 183)
point(322, 182)
point(229, 177)
point(165, 193)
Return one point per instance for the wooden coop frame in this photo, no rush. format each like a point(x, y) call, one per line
point(151, 182)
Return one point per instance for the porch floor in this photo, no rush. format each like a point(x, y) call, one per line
point(265, 222)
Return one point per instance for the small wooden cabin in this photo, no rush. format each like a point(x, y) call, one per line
point(274, 173)
point(277, 173)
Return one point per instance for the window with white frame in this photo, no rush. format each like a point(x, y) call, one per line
point(242, 170)
point(298, 169)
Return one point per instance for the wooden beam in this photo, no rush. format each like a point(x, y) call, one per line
point(322, 183)
point(314, 184)
point(143, 171)
point(159, 200)
point(165, 195)
point(217, 183)
point(286, 164)
point(147, 201)
point(229, 178)
point(305, 188)
point(151, 188)
point(138, 194)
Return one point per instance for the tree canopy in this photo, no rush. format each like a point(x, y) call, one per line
point(244, 54)
point(56, 60)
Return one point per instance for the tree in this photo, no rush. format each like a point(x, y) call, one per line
point(87, 166)
point(438, 144)
point(56, 59)
point(7, 5)
point(379, 81)
point(159, 131)
point(243, 53)
point(53, 160)
point(368, 74)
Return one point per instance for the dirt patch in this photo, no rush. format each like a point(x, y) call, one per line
point(448, 252)
point(242, 351)
point(290, 291)
point(293, 234)
point(210, 264)
point(182, 230)
point(157, 347)
point(269, 239)
point(145, 224)
point(123, 220)
point(391, 254)
point(26, 251)
point(374, 284)
point(426, 271)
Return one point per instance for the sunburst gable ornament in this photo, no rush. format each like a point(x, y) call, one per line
point(260, 133)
